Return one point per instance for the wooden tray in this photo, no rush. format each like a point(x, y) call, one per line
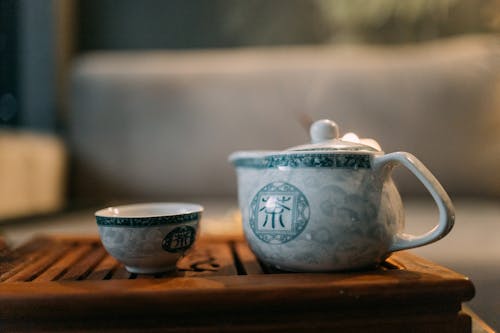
point(55, 283)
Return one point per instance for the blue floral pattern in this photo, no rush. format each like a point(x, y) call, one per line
point(340, 161)
point(140, 222)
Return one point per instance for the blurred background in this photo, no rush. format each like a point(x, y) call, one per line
point(105, 102)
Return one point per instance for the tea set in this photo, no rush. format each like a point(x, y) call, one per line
point(330, 205)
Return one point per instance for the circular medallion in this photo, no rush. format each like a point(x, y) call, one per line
point(179, 239)
point(279, 212)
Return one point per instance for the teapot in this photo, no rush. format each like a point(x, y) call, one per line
point(330, 205)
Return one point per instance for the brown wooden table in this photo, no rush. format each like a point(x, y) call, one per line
point(70, 283)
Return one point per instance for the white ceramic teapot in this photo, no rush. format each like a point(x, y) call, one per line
point(330, 205)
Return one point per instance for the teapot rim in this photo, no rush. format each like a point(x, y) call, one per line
point(303, 159)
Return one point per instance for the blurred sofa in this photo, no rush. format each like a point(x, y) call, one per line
point(159, 124)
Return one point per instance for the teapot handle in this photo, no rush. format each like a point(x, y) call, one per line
point(446, 211)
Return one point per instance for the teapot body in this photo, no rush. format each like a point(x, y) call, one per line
point(317, 212)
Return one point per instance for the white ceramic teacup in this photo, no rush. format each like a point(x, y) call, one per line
point(148, 238)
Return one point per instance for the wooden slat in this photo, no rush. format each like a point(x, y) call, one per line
point(7, 257)
point(103, 269)
point(3, 244)
point(247, 259)
point(145, 276)
point(120, 273)
point(36, 244)
point(198, 259)
point(208, 259)
point(84, 266)
point(405, 261)
point(37, 267)
point(64, 263)
point(256, 322)
point(343, 293)
point(223, 259)
point(478, 325)
point(357, 288)
point(15, 260)
point(77, 239)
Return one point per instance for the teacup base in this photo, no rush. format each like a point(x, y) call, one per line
point(150, 270)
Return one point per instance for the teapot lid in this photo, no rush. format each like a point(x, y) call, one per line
point(325, 137)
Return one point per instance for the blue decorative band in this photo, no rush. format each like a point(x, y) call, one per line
point(341, 161)
point(139, 222)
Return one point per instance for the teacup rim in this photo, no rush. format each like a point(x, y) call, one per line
point(110, 212)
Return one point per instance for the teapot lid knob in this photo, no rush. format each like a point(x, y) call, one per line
point(324, 130)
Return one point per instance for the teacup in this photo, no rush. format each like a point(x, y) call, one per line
point(149, 238)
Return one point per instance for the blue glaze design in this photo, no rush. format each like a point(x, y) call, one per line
point(139, 222)
point(179, 240)
point(279, 212)
point(332, 161)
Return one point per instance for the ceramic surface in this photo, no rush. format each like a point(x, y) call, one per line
point(149, 238)
point(326, 209)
